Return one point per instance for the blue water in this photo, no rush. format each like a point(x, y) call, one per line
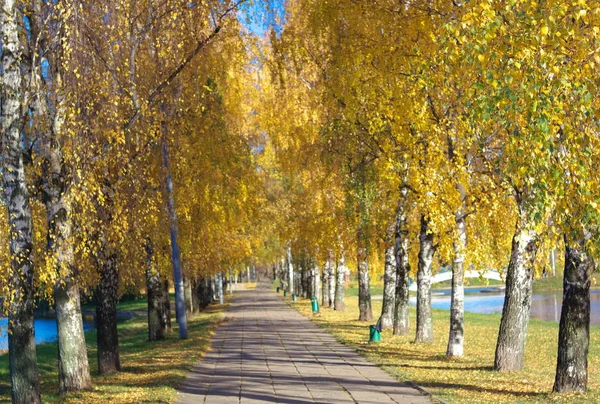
point(45, 331)
point(545, 307)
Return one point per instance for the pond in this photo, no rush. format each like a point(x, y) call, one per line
point(544, 306)
point(45, 330)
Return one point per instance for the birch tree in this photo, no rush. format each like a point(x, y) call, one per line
point(21, 342)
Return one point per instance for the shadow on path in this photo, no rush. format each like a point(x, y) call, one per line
point(269, 353)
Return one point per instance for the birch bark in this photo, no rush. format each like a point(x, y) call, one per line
point(24, 375)
point(364, 292)
point(154, 290)
point(290, 268)
point(457, 303)
point(574, 328)
point(401, 317)
point(340, 282)
point(389, 279)
point(510, 348)
point(424, 315)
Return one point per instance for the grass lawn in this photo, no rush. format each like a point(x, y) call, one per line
point(555, 283)
point(375, 286)
point(127, 305)
point(151, 370)
point(471, 378)
point(550, 284)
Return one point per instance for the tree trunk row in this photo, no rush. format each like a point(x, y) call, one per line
point(326, 283)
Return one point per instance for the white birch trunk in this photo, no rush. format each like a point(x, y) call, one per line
point(510, 348)
point(389, 279)
point(283, 283)
point(401, 312)
point(317, 282)
point(290, 268)
point(457, 305)
point(340, 282)
point(73, 366)
point(364, 292)
point(424, 314)
point(325, 285)
point(24, 373)
point(220, 286)
point(214, 289)
point(331, 284)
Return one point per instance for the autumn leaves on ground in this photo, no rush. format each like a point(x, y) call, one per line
point(470, 379)
point(151, 370)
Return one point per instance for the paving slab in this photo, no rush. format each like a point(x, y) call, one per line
point(267, 352)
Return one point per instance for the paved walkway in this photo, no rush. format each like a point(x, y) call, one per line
point(269, 353)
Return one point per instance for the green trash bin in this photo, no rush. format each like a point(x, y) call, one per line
point(374, 334)
point(294, 297)
point(277, 289)
point(284, 293)
point(315, 304)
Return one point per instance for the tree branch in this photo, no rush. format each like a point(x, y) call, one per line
point(182, 65)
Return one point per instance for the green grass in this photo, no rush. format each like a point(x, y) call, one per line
point(140, 304)
point(555, 283)
point(151, 370)
point(376, 288)
point(550, 284)
point(469, 379)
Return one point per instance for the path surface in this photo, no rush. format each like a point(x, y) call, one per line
point(269, 353)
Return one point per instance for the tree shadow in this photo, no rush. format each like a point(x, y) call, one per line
point(480, 389)
point(462, 368)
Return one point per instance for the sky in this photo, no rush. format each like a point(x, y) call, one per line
point(260, 15)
